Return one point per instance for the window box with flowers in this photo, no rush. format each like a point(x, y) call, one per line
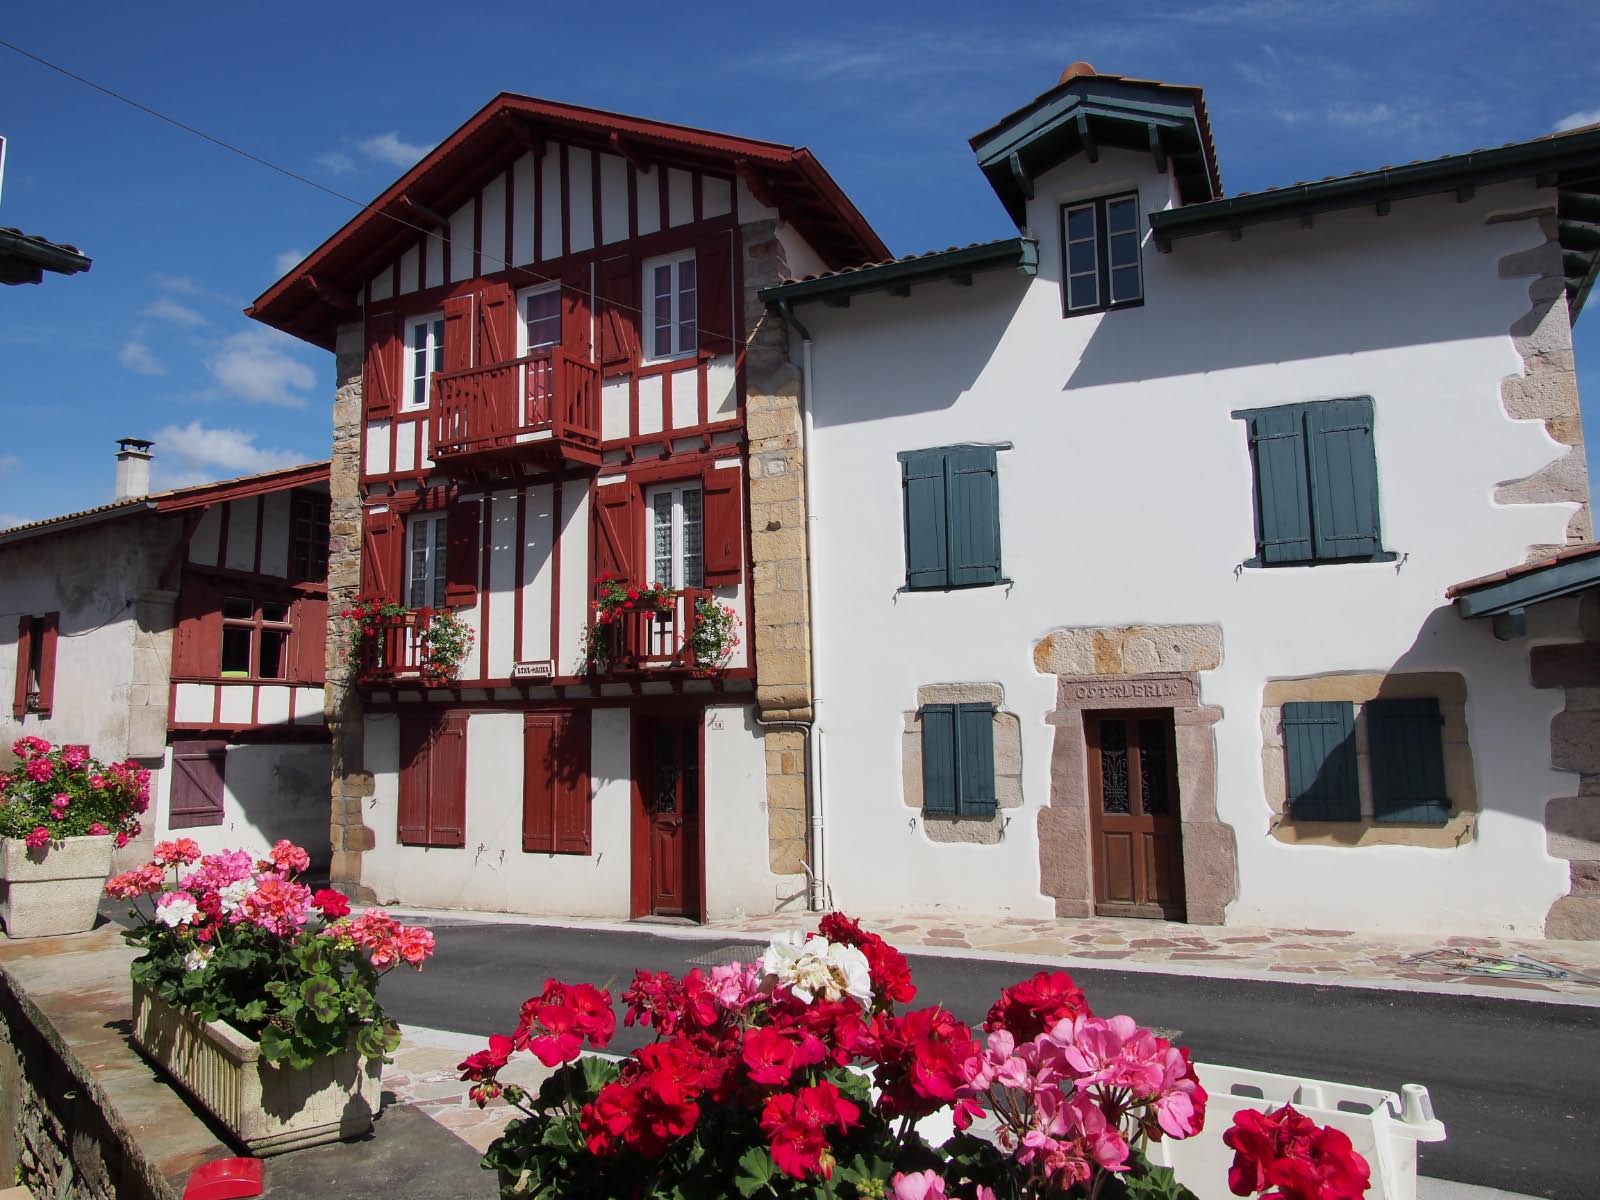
point(62, 814)
point(655, 627)
point(391, 642)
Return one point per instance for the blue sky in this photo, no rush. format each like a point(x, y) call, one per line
point(152, 343)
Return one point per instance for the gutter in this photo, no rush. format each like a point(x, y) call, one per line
point(1019, 252)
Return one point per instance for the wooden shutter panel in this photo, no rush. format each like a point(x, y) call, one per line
point(972, 493)
point(539, 731)
point(616, 535)
point(575, 311)
point(1406, 741)
point(1344, 478)
point(555, 783)
point(464, 530)
point(497, 325)
point(619, 317)
point(381, 555)
point(572, 785)
point(381, 371)
point(458, 335)
point(975, 760)
point(714, 286)
point(447, 782)
point(50, 628)
point(197, 631)
point(922, 477)
point(19, 702)
point(310, 650)
point(1319, 746)
point(198, 768)
point(1283, 501)
point(723, 516)
point(416, 736)
point(939, 760)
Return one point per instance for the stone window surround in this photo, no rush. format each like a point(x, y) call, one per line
point(1358, 688)
point(1007, 763)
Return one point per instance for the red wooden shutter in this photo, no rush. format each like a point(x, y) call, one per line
point(497, 330)
point(539, 737)
point(575, 311)
point(381, 556)
point(47, 664)
point(457, 333)
point(19, 703)
point(724, 525)
point(447, 783)
point(308, 662)
point(617, 522)
point(465, 546)
point(380, 375)
point(197, 774)
point(619, 299)
point(571, 800)
point(416, 735)
point(714, 264)
point(197, 634)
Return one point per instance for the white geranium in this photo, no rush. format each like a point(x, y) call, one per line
point(176, 908)
point(817, 968)
point(197, 959)
point(233, 894)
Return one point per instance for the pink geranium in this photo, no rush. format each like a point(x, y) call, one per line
point(38, 839)
point(276, 905)
point(182, 851)
point(288, 858)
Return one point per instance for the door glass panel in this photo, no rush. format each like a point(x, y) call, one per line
point(665, 798)
point(691, 770)
point(1114, 793)
point(1153, 767)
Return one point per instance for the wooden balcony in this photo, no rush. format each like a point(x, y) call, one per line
point(396, 652)
point(541, 410)
point(652, 641)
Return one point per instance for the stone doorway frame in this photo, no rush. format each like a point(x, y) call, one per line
point(1066, 849)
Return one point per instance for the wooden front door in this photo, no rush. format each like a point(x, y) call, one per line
point(669, 786)
point(1133, 814)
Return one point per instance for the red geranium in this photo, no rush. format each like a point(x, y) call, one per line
point(1034, 1006)
point(1291, 1154)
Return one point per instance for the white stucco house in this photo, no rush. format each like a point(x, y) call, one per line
point(1129, 536)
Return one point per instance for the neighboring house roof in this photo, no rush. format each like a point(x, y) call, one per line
point(174, 500)
point(317, 295)
point(1574, 569)
point(1087, 110)
point(1569, 162)
point(25, 257)
point(898, 274)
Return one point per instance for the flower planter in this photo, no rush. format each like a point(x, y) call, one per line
point(269, 1109)
point(55, 890)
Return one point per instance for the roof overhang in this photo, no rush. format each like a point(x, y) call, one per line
point(1507, 595)
point(25, 258)
point(1568, 162)
point(1085, 113)
point(319, 294)
point(957, 265)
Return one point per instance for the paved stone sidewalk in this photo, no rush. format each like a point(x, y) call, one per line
point(423, 1074)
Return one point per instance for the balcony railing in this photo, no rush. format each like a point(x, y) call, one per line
point(652, 640)
point(547, 402)
point(395, 651)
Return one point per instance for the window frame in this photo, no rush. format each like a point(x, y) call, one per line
point(37, 640)
point(433, 351)
point(257, 625)
point(648, 327)
point(524, 346)
point(678, 489)
point(309, 515)
point(437, 553)
point(1099, 207)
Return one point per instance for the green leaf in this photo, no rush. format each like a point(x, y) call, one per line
point(1146, 1182)
point(756, 1171)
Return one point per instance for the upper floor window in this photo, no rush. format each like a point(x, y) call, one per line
point(1316, 483)
point(541, 319)
point(675, 535)
point(671, 309)
point(308, 536)
point(952, 517)
point(427, 552)
point(36, 665)
point(1100, 254)
point(255, 638)
point(424, 356)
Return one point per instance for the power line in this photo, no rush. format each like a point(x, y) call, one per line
point(423, 230)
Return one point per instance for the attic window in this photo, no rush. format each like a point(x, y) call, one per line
point(1100, 266)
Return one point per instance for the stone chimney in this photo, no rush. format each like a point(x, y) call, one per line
point(133, 468)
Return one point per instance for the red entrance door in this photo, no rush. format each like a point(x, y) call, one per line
point(669, 785)
point(1133, 814)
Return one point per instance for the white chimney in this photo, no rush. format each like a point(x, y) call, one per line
point(133, 468)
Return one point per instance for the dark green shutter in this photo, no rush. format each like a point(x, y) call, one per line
point(1319, 746)
point(975, 760)
point(1283, 502)
point(972, 489)
point(922, 475)
point(939, 760)
point(1344, 478)
point(1406, 738)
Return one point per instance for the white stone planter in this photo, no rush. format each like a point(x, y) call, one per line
point(56, 891)
point(269, 1109)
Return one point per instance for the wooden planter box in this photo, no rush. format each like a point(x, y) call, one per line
point(268, 1109)
point(56, 892)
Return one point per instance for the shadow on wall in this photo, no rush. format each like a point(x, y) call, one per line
point(283, 792)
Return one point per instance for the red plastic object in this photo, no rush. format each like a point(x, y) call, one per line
point(224, 1179)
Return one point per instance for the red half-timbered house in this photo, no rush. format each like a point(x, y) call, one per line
point(541, 333)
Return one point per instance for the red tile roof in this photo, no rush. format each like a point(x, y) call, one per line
point(1569, 554)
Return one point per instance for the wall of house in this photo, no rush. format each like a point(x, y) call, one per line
point(1125, 500)
point(269, 792)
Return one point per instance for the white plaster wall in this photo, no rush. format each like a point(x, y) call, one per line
point(1127, 499)
point(269, 792)
point(738, 880)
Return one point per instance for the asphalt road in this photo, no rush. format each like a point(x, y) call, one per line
point(1516, 1083)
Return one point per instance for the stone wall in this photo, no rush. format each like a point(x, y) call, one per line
point(1572, 823)
point(1007, 762)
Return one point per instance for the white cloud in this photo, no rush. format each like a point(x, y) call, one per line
point(167, 309)
point(337, 161)
point(288, 260)
point(136, 356)
point(255, 366)
point(7, 461)
point(388, 148)
point(192, 453)
point(179, 283)
point(10, 520)
point(1578, 120)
